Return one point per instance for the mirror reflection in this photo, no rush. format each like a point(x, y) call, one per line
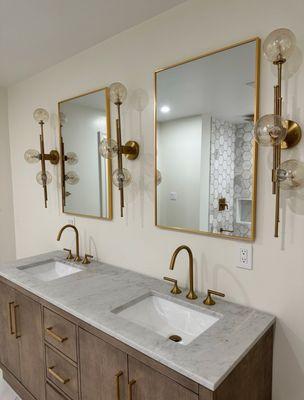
point(86, 176)
point(205, 152)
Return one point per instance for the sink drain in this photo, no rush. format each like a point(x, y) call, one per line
point(175, 338)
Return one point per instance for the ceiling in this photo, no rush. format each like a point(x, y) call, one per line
point(36, 34)
point(221, 85)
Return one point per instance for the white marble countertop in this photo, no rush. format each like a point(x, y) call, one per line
point(92, 294)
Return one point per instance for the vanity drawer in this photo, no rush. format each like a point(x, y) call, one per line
point(62, 373)
point(60, 333)
point(53, 394)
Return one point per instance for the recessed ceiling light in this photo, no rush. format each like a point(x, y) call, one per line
point(165, 109)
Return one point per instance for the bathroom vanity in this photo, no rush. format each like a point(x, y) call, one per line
point(71, 332)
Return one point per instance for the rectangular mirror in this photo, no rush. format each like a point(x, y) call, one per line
point(86, 175)
point(205, 152)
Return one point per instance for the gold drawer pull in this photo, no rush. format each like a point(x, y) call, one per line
point(131, 384)
point(17, 335)
point(55, 336)
point(12, 331)
point(117, 376)
point(58, 377)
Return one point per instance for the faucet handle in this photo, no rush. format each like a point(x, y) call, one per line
point(70, 255)
point(86, 259)
point(209, 300)
point(175, 289)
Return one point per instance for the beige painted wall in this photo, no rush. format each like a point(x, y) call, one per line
point(7, 239)
point(276, 283)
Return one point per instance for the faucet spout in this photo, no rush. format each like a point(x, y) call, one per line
point(77, 258)
point(191, 295)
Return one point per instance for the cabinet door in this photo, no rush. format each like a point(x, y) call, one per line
point(29, 330)
point(148, 384)
point(9, 346)
point(103, 369)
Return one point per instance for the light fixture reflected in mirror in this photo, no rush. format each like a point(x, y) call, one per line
point(43, 178)
point(273, 130)
point(110, 148)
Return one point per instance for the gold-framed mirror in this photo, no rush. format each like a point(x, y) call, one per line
point(205, 152)
point(86, 176)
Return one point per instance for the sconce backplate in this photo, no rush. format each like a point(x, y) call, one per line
point(294, 134)
point(135, 150)
point(54, 157)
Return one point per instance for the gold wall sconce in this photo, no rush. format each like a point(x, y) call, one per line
point(109, 148)
point(44, 178)
point(273, 129)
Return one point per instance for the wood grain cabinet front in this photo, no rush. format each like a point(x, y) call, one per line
point(53, 394)
point(103, 369)
point(146, 383)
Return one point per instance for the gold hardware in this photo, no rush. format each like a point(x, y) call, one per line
point(77, 257)
point(175, 289)
point(17, 335)
point(294, 135)
point(222, 205)
point(12, 331)
point(86, 259)
point(209, 300)
point(57, 376)
point(191, 295)
point(131, 384)
point(225, 230)
point(131, 150)
point(55, 336)
point(175, 338)
point(117, 380)
point(70, 255)
point(252, 236)
point(107, 161)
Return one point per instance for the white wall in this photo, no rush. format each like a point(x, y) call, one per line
point(179, 162)
point(7, 237)
point(276, 283)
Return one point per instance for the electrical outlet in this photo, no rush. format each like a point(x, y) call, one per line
point(245, 257)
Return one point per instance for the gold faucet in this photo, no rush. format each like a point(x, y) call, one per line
point(77, 258)
point(191, 295)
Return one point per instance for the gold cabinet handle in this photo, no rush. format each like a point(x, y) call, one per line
point(57, 376)
point(12, 331)
point(54, 335)
point(131, 384)
point(17, 335)
point(117, 376)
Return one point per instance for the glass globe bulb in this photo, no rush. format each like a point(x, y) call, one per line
point(139, 99)
point(42, 178)
point(71, 158)
point(108, 148)
point(41, 115)
point(118, 93)
point(290, 174)
point(270, 130)
point(32, 156)
point(72, 178)
point(279, 45)
point(121, 178)
point(63, 118)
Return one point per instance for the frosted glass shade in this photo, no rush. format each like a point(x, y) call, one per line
point(270, 130)
point(121, 178)
point(71, 158)
point(118, 93)
point(42, 178)
point(72, 178)
point(41, 115)
point(291, 174)
point(279, 45)
point(108, 148)
point(32, 156)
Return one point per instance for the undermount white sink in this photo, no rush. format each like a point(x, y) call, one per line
point(50, 270)
point(167, 318)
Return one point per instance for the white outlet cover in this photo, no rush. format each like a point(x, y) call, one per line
point(173, 196)
point(245, 256)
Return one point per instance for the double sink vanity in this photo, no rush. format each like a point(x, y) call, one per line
point(72, 331)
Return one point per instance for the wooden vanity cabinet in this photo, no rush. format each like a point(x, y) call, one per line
point(21, 348)
point(146, 383)
point(103, 369)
